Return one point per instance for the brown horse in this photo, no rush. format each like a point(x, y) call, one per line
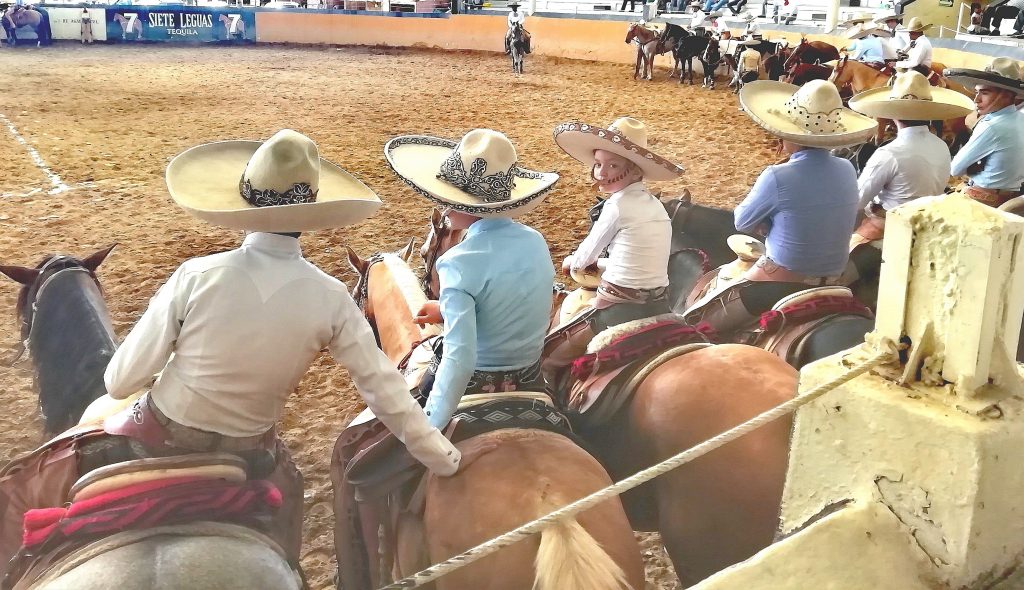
point(723, 508)
point(854, 76)
point(528, 474)
point(810, 52)
point(649, 44)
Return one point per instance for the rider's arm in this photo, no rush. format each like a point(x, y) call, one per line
point(148, 346)
point(760, 204)
point(600, 236)
point(458, 361)
point(878, 172)
point(979, 147)
point(386, 392)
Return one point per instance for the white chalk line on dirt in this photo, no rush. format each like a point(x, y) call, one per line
point(58, 184)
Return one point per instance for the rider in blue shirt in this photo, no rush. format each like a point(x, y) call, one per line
point(495, 286)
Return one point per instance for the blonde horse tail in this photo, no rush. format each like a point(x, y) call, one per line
point(570, 558)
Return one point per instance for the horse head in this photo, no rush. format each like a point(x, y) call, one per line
point(440, 238)
point(794, 58)
point(32, 279)
point(631, 32)
point(840, 75)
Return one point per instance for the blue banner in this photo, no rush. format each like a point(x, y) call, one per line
point(179, 23)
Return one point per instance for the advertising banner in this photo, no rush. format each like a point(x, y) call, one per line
point(66, 23)
point(179, 23)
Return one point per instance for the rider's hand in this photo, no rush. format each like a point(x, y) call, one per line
point(473, 449)
point(567, 265)
point(430, 313)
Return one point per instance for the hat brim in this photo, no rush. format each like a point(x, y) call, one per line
point(887, 17)
point(579, 140)
point(762, 100)
point(945, 104)
point(204, 182)
point(972, 78)
point(416, 159)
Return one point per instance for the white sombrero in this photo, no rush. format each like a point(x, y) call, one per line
point(811, 115)
point(860, 18)
point(1001, 72)
point(861, 30)
point(626, 137)
point(916, 25)
point(889, 17)
point(280, 185)
point(911, 98)
point(479, 175)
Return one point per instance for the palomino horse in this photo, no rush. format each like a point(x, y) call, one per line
point(724, 508)
point(18, 16)
point(649, 44)
point(67, 328)
point(858, 77)
point(517, 48)
point(811, 52)
point(528, 474)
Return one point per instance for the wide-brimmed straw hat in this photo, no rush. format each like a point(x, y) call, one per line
point(888, 17)
point(1001, 72)
point(916, 25)
point(626, 137)
point(751, 42)
point(811, 115)
point(861, 30)
point(280, 185)
point(911, 98)
point(479, 175)
point(860, 18)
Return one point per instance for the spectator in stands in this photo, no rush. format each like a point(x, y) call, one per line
point(1000, 9)
point(977, 16)
point(918, 55)
point(735, 6)
point(516, 17)
point(993, 158)
point(714, 5)
point(915, 164)
point(632, 5)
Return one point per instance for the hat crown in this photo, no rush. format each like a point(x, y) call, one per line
point(632, 129)
point(816, 107)
point(911, 85)
point(1005, 67)
point(284, 170)
point(483, 164)
point(916, 25)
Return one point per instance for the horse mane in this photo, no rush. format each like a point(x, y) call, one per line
point(22, 303)
point(406, 281)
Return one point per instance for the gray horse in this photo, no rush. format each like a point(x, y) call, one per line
point(15, 16)
point(518, 47)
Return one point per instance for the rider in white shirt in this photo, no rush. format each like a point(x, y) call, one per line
point(516, 18)
point(919, 52)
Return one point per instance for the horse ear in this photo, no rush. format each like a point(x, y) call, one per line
point(435, 217)
point(406, 253)
point(94, 260)
point(358, 264)
point(25, 276)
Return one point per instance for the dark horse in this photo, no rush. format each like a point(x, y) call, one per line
point(810, 52)
point(710, 59)
point(518, 47)
point(686, 50)
point(66, 327)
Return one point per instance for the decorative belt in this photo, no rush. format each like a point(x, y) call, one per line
point(617, 294)
point(204, 440)
point(990, 196)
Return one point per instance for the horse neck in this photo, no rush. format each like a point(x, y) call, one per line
point(707, 229)
point(393, 298)
point(443, 239)
point(71, 339)
point(864, 77)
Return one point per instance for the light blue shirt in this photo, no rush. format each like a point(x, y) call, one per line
point(998, 139)
point(496, 304)
point(811, 202)
point(868, 49)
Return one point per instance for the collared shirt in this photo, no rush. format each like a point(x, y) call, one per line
point(496, 304)
point(636, 230)
point(811, 202)
point(889, 47)
point(750, 60)
point(915, 164)
point(998, 140)
point(919, 53)
point(234, 333)
point(869, 49)
point(516, 17)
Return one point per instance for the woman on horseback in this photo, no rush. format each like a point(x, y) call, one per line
point(632, 226)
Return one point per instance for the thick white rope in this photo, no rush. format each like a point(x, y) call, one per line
point(484, 549)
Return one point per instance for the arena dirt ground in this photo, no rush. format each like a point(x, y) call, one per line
point(107, 119)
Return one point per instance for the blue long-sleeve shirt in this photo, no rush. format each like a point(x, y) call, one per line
point(496, 303)
point(811, 202)
point(998, 139)
point(869, 49)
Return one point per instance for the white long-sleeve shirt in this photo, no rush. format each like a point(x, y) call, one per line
point(637, 231)
point(516, 17)
point(915, 164)
point(920, 54)
point(233, 334)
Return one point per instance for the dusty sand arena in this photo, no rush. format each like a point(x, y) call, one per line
point(107, 119)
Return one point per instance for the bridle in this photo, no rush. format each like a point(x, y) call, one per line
point(838, 71)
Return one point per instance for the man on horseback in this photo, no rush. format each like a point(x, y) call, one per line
point(749, 67)
point(916, 163)
point(229, 336)
point(993, 159)
point(918, 55)
point(867, 45)
point(494, 302)
point(807, 228)
point(633, 227)
point(516, 18)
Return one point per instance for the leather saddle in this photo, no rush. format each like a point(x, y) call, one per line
point(127, 473)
